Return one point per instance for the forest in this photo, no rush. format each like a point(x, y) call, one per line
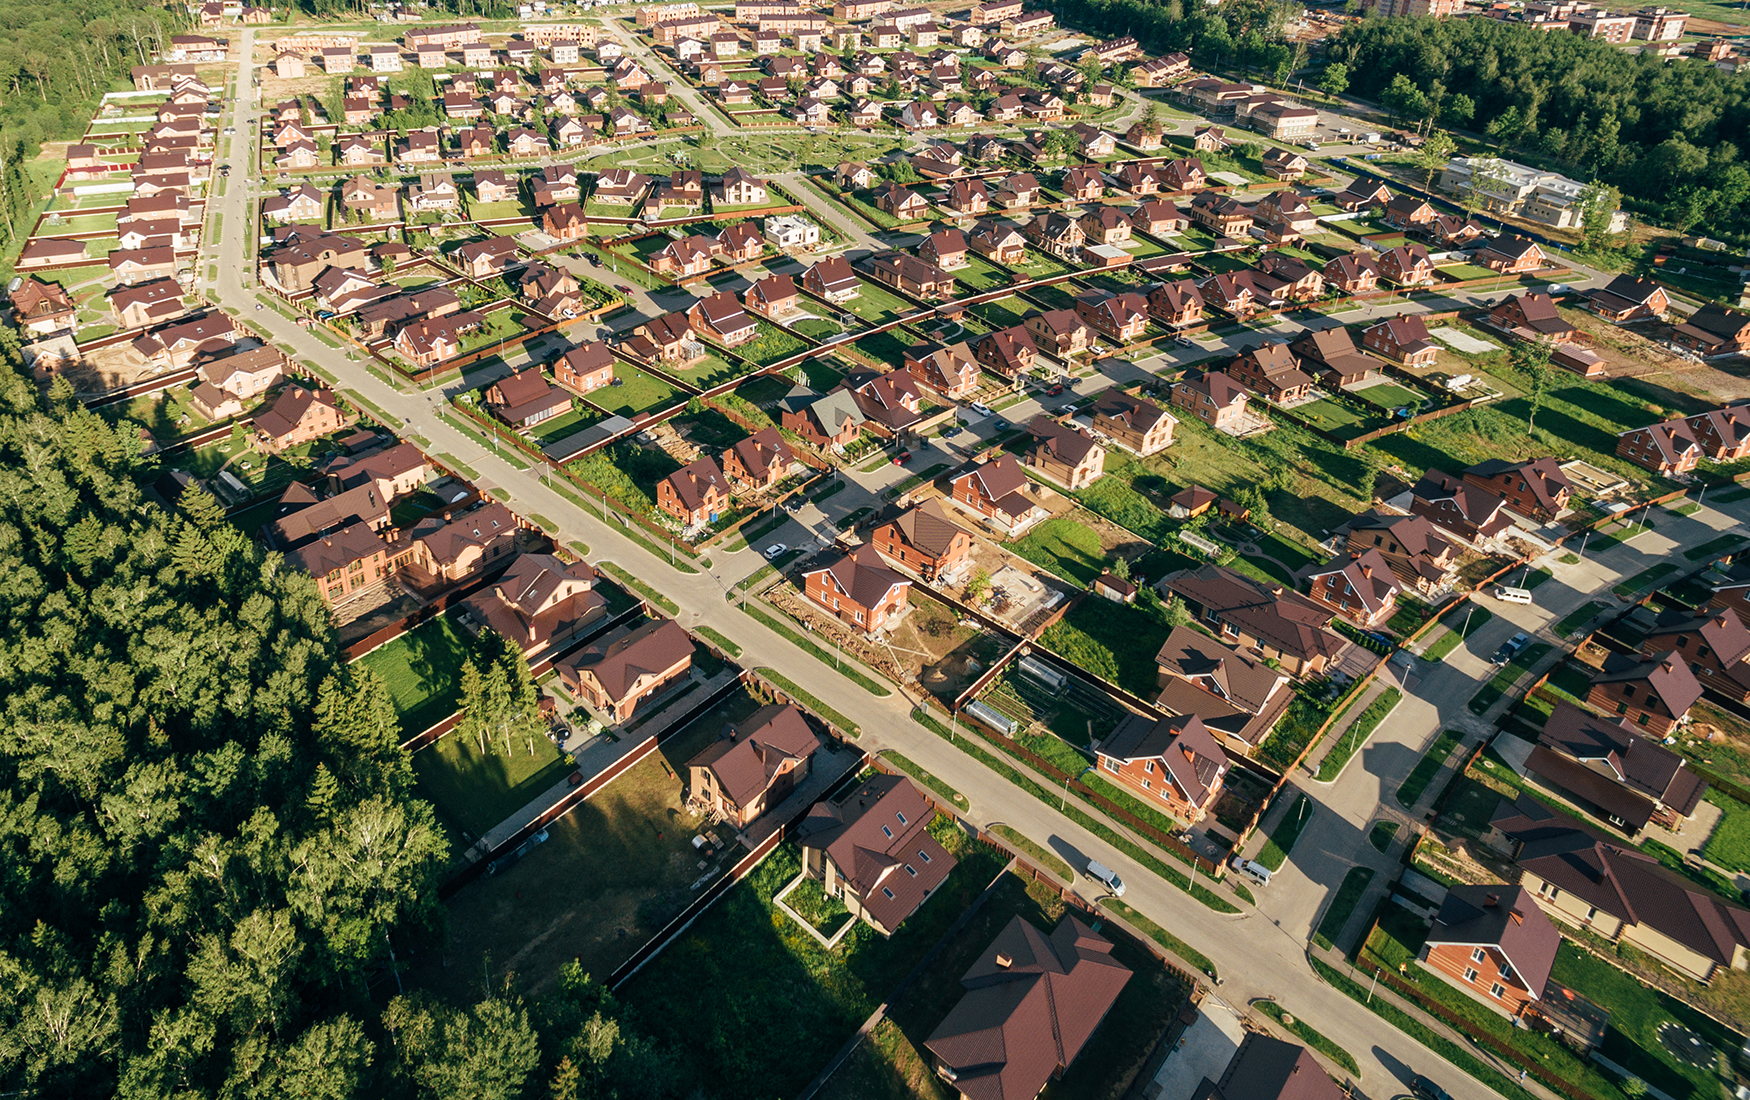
point(1670, 134)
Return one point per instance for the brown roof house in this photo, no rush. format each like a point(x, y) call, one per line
point(1331, 355)
point(1402, 340)
point(1538, 488)
point(1271, 370)
point(448, 549)
point(1423, 558)
point(1237, 696)
point(1138, 425)
point(1459, 506)
point(1175, 764)
point(1031, 1004)
point(585, 368)
point(1669, 447)
point(859, 590)
point(1495, 944)
point(1724, 434)
point(617, 673)
point(1361, 587)
point(1064, 454)
point(924, 540)
point(1608, 767)
point(873, 851)
point(753, 765)
point(1267, 1068)
point(1212, 397)
point(298, 416)
point(1715, 643)
point(539, 602)
point(758, 462)
point(951, 369)
point(695, 493)
point(1280, 624)
point(1629, 298)
point(525, 398)
point(997, 490)
point(1655, 692)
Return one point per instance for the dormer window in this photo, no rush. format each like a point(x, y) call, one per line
point(888, 833)
point(899, 815)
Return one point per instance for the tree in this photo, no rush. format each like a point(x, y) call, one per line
point(1532, 358)
point(1598, 204)
point(1120, 567)
point(978, 587)
point(487, 1052)
point(1403, 99)
point(1335, 80)
point(1060, 143)
point(1435, 151)
point(1458, 110)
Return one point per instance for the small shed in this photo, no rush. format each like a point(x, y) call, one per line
point(1190, 503)
point(1234, 510)
point(1115, 588)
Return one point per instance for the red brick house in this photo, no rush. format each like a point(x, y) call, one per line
point(1715, 642)
point(1279, 624)
point(1176, 303)
point(1058, 331)
point(997, 490)
point(1212, 397)
point(1538, 489)
point(617, 673)
point(1174, 764)
point(1495, 944)
point(774, 296)
point(525, 398)
point(1654, 692)
point(1629, 298)
point(872, 849)
point(723, 317)
point(1407, 265)
point(1422, 558)
point(538, 602)
point(1408, 212)
point(695, 493)
point(1511, 255)
point(1139, 426)
point(585, 368)
point(1009, 352)
point(1403, 340)
point(911, 275)
point(925, 541)
point(1714, 330)
point(758, 462)
point(1354, 273)
point(1459, 506)
point(1063, 454)
point(1271, 371)
point(1121, 318)
point(298, 416)
point(859, 590)
point(1360, 587)
point(1665, 448)
point(1724, 434)
point(753, 766)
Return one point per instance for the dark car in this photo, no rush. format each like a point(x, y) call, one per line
point(1510, 648)
point(1428, 1090)
point(1001, 424)
point(622, 288)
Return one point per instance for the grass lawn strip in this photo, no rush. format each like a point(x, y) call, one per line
point(905, 765)
point(1729, 844)
point(1380, 836)
point(1426, 768)
point(1578, 618)
point(1039, 855)
point(1342, 905)
point(1357, 734)
point(480, 788)
point(641, 588)
point(1454, 624)
point(1160, 935)
point(723, 643)
point(1645, 579)
point(840, 665)
point(1278, 842)
point(1109, 835)
point(811, 702)
point(1297, 1027)
point(423, 671)
point(1507, 677)
point(1713, 547)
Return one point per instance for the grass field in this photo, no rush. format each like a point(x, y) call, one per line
point(559, 427)
point(423, 670)
point(1067, 548)
point(1334, 416)
point(1112, 640)
point(1388, 396)
point(980, 274)
point(1729, 844)
point(475, 788)
point(876, 304)
point(1458, 628)
point(612, 872)
point(637, 392)
point(1578, 617)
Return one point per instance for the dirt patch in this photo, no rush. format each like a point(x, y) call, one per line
point(111, 368)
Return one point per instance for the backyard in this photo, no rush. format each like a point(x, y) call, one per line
point(634, 391)
point(423, 669)
point(477, 788)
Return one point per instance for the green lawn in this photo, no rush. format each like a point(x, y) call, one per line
point(980, 275)
point(1460, 625)
point(1729, 844)
point(1579, 617)
point(423, 670)
point(1504, 679)
point(1279, 841)
point(1342, 905)
point(1426, 768)
point(1334, 416)
point(1388, 396)
point(771, 345)
point(1301, 1030)
point(478, 789)
point(711, 371)
point(1002, 312)
point(559, 427)
point(1713, 547)
point(876, 304)
point(1349, 741)
point(1645, 579)
point(637, 391)
point(1067, 548)
point(1112, 640)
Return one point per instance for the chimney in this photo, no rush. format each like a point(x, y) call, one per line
point(1004, 961)
point(1518, 916)
point(1492, 900)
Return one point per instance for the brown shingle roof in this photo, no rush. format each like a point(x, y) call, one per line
point(747, 761)
point(878, 837)
point(928, 528)
point(652, 648)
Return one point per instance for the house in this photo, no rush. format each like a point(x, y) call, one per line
point(774, 296)
point(1284, 164)
point(832, 279)
point(860, 590)
point(753, 765)
point(1654, 692)
point(1271, 371)
point(1106, 225)
point(1352, 273)
point(1063, 454)
point(300, 204)
point(1538, 489)
point(1407, 265)
point(739, 188)
point(1236, 696)
point(1402, 339)
point(1724, 434)
point(1161, 71)
point(432, 193)
point(1009, 352)
point(911, 275)
point(1032, 1003)
point(825, 420)
point(925, 541)
point(967, 198)
point(1017, 192)
point(1060, 332)
point(792, 232)
point(946, 248)
point(139, 265)
point(1212, 397)
point(488, 258)
point(1408, 212)
point(901, 202)
point(297, 416)
point(1666, 448)
point(1290, 277)
point(890, 403)
point(524, 398)
point(722, 317)
point(997, 490)
point(621, 671)
point(620, 186)
point(1362, 194)
point(1221, 215)
point(1058, 234)
point(1279, 624)
point(1331, 355)
point(1083, 184)
point(1184, 174)
point(694, 494)
point(1267, 1068)
point(143, 304)
point(177, 345)
point(1460, 506)
point(1715, 643)
point(1360, 587)
point(1714, 330)
point(1174, 764)
point(1511, 255)
point(369, 200)
point(758, 462)
point(951, 370)
point(344, 561)
point(432, 340)
point(1455, 232)
point(1587, 881)
point(1629, 298)
point(1532, 317)
point(1495, 944)
point(1138, 425)
point(1610, 768)
point(998, 241)
point(685, 257)
point(1176, 304)
point(1423, 559)
point(873, 851)
point(41, 308)
point(585, 368)
point(1191, 502)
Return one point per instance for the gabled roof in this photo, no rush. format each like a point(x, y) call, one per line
point(1139, 414)
point(693, 481)
point(1542, 476)
point(1667, 675)
point(1221, 670)
point(1369, 577)
point(1219, 385)
point(928, 528)
point(762, 451)
point(1184, 746)
point(999, 477)
point(1506, 918)
point(1721, 631)
point(1477, 506)
point(862, 575)
point(878, 837)
point(650, 649)
point(1065, 443)
point(1280, 618)
point(749, 755)
point(1267, 1068)
point(1032, 1001)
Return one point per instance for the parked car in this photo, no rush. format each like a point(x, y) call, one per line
point(980, 408)
point(1428, 1090)
point(902, 458)
point(1101, 873)
point(1257, 872)
point(1510, 648)
point(1054, 390)
point(775, 551)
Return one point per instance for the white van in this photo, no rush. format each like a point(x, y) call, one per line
point(1253, 870)
point(1105, 874)
point(1512, 595)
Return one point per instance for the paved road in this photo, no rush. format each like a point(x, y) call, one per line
point(1259, 953)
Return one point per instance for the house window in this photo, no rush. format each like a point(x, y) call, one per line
point(1470, 974)
point(1149, 766)
point(1112, 764)
point(888, 833)
point(888, 892)
point(859, 616)
point(1148, 784)
point(901, 817)
point(923, 855)
point(910, 870)
point(1478, 955)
